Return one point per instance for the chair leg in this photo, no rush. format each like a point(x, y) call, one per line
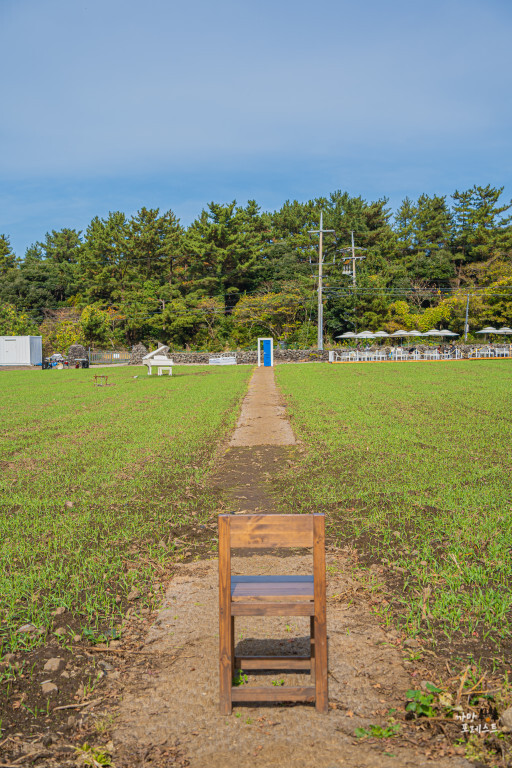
point(321, 698)
point(232, 647)
point(312, 647)
point(226, 663)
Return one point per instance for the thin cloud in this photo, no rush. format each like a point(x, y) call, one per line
point(105, 102)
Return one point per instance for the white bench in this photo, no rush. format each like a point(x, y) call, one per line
point(159, 360)
point(224, 359)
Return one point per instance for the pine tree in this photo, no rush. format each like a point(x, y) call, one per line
point(482, 231)
point(225, 250)
point(104, 259)
point(8, 258)
point(405, 227)
point(154, 244)
point(433, 225)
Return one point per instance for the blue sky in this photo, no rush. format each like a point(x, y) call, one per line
point(112, 105)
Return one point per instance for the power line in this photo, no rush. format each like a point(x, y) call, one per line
point(326, 290)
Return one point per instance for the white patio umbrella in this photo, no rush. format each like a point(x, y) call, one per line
point(486, 330)
point(381, 335)
point(365, 335)
point(433, 332)
point(398, 334)
point(414, 333)
point(504, 330)
point(448, 333)
point(347, 335)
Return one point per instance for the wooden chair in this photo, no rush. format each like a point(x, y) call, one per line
point(272, 596)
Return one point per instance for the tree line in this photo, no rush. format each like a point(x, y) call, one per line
point(237, 273)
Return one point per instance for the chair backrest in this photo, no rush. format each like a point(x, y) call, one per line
point(257, 531)
point(268, 531)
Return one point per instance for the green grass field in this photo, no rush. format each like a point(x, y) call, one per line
point(93, 480)
point(412, 463)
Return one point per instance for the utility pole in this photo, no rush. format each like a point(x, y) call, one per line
point(353, 259)
point(466, 321)
point(321, 232)
point(162, 302)
point(346, 269)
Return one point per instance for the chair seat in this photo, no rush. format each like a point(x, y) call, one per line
point(271, 587)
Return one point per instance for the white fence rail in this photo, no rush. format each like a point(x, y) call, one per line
point(403, 355)
point(104, 357)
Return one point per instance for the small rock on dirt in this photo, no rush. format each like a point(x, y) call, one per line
point(506, 718)
point(53, 665)
point(411, 642)
point(133, 595)
point(69, 504)
point(60, 631)
point(27, 629)
point(59, 611)
point(49, 687)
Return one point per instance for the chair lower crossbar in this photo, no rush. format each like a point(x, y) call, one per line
point(279, 694)
point(292, 663)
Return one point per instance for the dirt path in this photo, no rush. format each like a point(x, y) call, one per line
point(169, 714)
point(263, 416)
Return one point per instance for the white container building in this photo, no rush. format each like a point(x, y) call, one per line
point(21, 350)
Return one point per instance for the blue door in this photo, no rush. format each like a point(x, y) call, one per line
point(267, 352)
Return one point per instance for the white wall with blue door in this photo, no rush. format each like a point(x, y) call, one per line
point(268, 352)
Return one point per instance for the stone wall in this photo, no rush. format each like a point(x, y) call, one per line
point(137, 353)
point(250, 357)
point(76, 352)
